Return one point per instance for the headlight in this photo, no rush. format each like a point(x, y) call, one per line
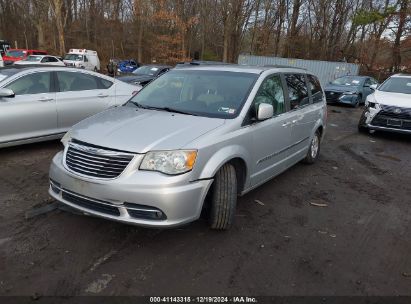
point(66, 138)
point(371, 102)
point(169, 162)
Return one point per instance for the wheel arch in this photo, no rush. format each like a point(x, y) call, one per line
point(234, 155)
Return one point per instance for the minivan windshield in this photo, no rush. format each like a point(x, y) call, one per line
point(348, 81)
point(397, 85)
point(73, 57)
point(219, 94)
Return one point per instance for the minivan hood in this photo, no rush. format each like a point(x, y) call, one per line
point(138, 130)
point(393, 99)
point(340, 88)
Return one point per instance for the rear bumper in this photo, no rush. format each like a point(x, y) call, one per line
point(131, 198)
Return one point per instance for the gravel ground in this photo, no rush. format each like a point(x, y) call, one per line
point(359, 244)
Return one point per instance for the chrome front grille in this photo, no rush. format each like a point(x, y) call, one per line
point(93, 161)
point(396, 112)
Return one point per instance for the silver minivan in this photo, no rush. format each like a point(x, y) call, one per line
point(191, 142)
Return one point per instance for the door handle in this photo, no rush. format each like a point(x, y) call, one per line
point(286, 124)
point(294, 121)
point(102, 95)
point(45, 99)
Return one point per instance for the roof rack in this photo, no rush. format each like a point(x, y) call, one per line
point(282, 66)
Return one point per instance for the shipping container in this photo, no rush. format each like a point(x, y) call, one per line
point(325, 70)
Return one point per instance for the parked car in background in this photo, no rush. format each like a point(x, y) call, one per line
point(4, 47)
point(389, 107)
point(146, 73)
point(41, 103)
point(13, 55)
point(191, 140)
point(41, 60)
point(82, 59)
point(127, 66)
point(350, 90)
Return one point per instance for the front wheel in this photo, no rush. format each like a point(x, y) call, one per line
point(357, 101)
point(314, 149)
point(361, 124)
point(224, 198)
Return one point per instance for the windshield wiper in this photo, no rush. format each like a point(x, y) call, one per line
point(168, 109)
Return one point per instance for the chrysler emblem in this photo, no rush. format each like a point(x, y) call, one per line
point(397, 111)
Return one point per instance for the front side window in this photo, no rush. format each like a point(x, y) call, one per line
point(219, 94)
point(76, 81)
point(35, 83)
point(271, 92)
point(297, 90)
point(315, 87)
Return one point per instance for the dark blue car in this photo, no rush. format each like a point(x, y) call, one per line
point(127, 66)
point(350, 90)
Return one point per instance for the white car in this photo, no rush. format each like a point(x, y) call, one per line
point(41, 60)
point(42, 103)
point(389, 107)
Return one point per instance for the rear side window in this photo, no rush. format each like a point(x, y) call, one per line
point(297, 90)
point(105, 84)
point(35, 83)
point(77, 81)
point(315, 87)
point(73, 81)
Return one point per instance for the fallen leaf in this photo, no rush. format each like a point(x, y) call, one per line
point(319, 204)
point(259, 202)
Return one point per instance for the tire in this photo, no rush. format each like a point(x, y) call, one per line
point(361, 124)
point(223, 198)
point(358, 101)
point(314, 149)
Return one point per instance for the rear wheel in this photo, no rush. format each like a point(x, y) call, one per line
point(314, 149)
point(223, 198)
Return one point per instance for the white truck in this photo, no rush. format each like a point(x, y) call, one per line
point(83, 59)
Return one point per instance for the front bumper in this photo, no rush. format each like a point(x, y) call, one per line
point(381, 120)
point(132, 198)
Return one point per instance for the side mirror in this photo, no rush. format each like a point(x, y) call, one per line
point(264, 111)
point(373, 87)
point(6, 93)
